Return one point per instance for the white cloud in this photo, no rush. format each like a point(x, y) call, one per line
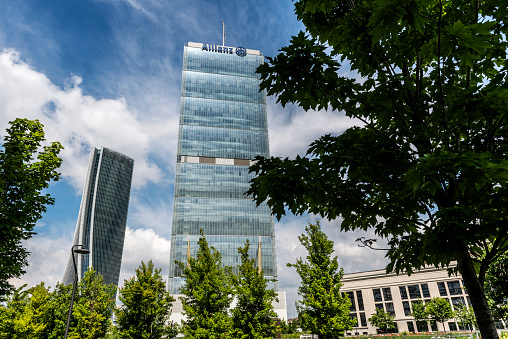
point(144, 245)
point(292, 129)
point(79, 121)
point(140, 7)
point(49, 255)
point(150, 213)
point(46, 262)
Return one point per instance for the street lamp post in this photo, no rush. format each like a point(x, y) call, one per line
point(82, 250)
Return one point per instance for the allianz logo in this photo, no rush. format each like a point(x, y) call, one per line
point(240, 51)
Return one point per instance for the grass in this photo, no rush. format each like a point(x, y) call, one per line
point(463, 335)
point(435, 335)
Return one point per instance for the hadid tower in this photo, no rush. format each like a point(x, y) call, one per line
point(102, 216)
point(223, 126)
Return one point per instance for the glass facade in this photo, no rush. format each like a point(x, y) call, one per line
point(442, 289)
point(403, 292)
point(223, 126)
point(387, 294)
point(414, 291)
point(406, 307)
point(359, 296)
point(454, 287)
point(351, 296)
point(103, 215)
point(425, 290)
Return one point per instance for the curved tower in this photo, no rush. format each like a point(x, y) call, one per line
point(103, 215)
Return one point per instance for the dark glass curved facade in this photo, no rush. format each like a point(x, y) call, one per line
point(103, 215)
point(223, 126)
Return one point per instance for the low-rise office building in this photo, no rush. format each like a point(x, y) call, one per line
point(395, 294)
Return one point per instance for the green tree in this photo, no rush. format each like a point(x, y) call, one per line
point(11, 310)
point(439, 310)
point(382, 320)
point(146, 305)
point(253, 315)
point(35, 313)
point(24, 172)
point(499, 312)
point(426, 165)
point(207, 294)
point(93, 306)
point(465, 316)
point(293, 326)
point(25, 314)
point(57, 311)
point(284, 327)
point(322, 310)
point(496, 287)
point(419, 312)
point(288, 327)
point(32, 322)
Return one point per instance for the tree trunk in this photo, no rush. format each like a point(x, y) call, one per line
point(477, 295)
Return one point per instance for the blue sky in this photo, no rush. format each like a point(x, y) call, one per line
point(108, 73)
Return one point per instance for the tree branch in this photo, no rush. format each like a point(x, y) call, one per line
point(439, 75)
point(369, 243)
point(361, 119)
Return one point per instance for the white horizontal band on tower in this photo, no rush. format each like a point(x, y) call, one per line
point(216, 161)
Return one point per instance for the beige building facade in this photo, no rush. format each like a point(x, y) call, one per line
point(395, 294)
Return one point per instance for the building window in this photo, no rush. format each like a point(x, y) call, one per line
point(177, 272)
point(354, 318)
point(380, 306)
point(390, 309)
point(390, 330)
point(457, 302)
point(422, 326)
point(410, 326)
point(499, 325)
point(407, 308)
point(452, 326)
point(433, 326)
point(377, 295)
point(363, 320)
point(464, 328)
point(359, 297)
point(425, 290)
point(442, 289)
point(403, 292)
point(351, 296)
point(454, 287)
point(414, 291)
point(387, 294)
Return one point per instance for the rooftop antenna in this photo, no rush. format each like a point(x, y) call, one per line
point(223, 34)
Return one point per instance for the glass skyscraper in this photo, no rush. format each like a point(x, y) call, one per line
point(223, 126)
point(103, 215)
